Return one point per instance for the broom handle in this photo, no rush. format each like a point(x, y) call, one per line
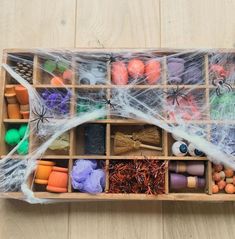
point(150, 147)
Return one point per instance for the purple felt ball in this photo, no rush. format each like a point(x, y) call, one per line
point(193, 75)
point(175, 67)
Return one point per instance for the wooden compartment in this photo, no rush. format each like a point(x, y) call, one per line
point(64, 163)
point(44, 76)
point(41, 80)
point(4, 147)
point(26, 58)
point(128, 131)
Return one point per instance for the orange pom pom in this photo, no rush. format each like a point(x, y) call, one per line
point(229, 188)
point(228, 172)
point(221, 184)
point(215, 189)
point(136, 68)
point(57, 81)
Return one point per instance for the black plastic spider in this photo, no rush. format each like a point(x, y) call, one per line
point(221, 85)
point(40, 116)
point(108, 102)
point(174, 94)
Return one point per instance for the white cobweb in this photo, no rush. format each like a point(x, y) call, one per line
point(192, 97)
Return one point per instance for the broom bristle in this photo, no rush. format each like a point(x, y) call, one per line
point(123, 143)
point(149, 135)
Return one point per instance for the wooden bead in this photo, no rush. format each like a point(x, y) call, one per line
point(229, 188)
point(218, 176)
point(221, 184)
point(218, 167)
point(228, 172)
point(215, 189)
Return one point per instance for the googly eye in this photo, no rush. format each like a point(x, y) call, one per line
point(193, 151)
point(179, 148)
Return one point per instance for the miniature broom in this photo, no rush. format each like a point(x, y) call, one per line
point(149, 135)
point(123, 144)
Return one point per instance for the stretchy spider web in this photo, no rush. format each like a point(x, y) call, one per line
point(193, 95)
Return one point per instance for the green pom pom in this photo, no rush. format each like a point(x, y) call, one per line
point(22, 130)
point(12, 137)
point(23, 148)
point(49, 66)
point(62, 66)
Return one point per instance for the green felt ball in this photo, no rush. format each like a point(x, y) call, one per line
point(12, 137)
point(49, 66)
point(22, 130)
point(62, 66)
point(23, 148)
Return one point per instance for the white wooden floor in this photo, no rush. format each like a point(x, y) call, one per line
point(112, 23)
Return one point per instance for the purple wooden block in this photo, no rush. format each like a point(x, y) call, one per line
point(195, 168)
point(179, 181)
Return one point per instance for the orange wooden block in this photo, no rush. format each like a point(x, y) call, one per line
point(58, 180)
point(13, 111)
point(22, 95)
point(43, 171)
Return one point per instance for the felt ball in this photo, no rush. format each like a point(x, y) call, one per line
point(221, 184)
point(62, 66)
point(229, 188)
point(49, 66)
point(228, 172)
point(57, 81)
point(23, 148)
point(68, 74)
point(179, 148)
point(215, 188)
point(22, 130)
point(136, 68)
point(218, 167)
point(12, 137)
point(119, 73)
point(152, 71)
point(218, 69)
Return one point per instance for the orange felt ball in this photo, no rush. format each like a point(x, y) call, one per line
point(216, 177)
point(229, 188)
point(218, 167)
point(228, 172)
point(136, 68)
point(215, 189)
point(221, 184)
point(119, 73)
point(57, 81)
point(152, 71)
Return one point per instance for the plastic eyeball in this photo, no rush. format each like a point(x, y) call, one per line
point(179, 148)
point(193, 151)
point(176, 137)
